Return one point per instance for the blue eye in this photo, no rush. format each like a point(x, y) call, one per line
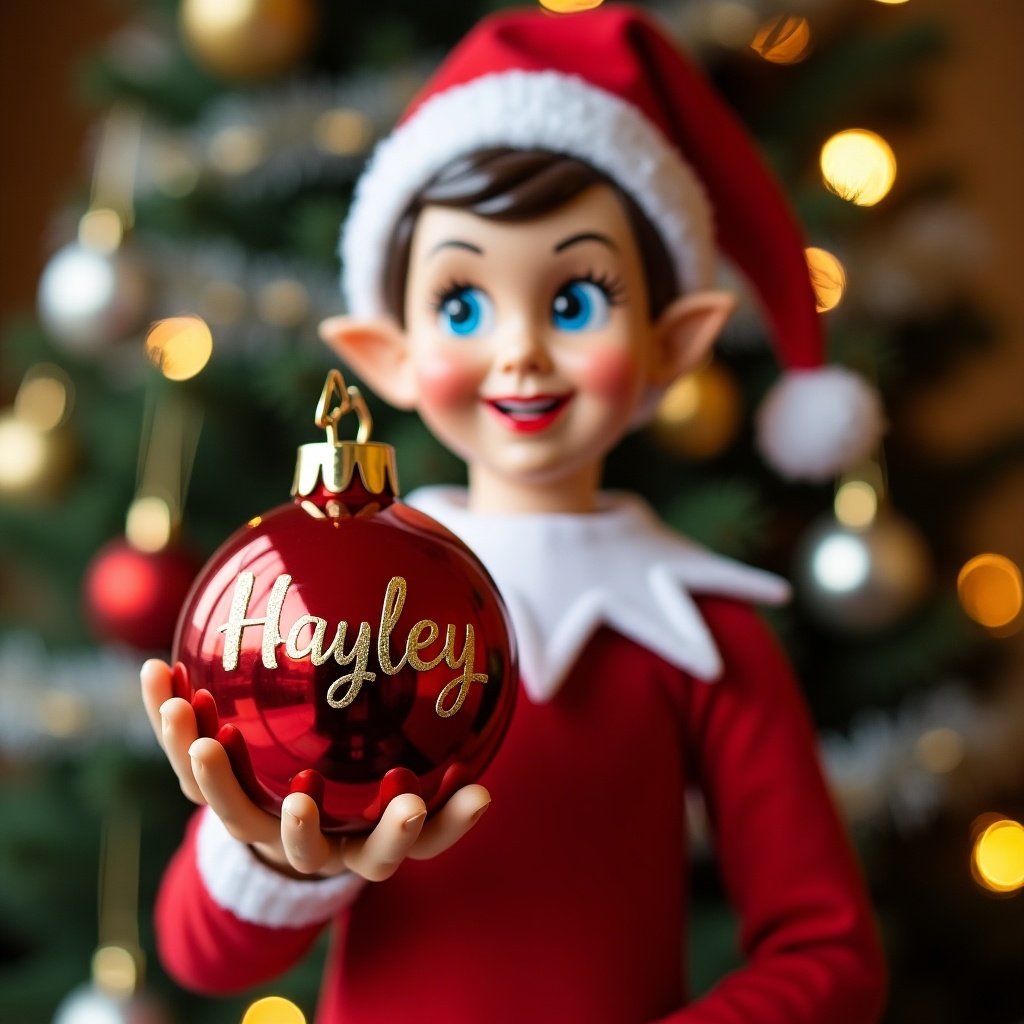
point(580, 306)
point(465, 311)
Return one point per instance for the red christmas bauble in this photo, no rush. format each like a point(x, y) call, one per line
point(133, 597)
point(348, 646)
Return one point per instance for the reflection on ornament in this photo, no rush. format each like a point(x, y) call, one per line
point(858, 166)
point(237, 149)
point(283, 303)
point(940, 750)
point(101, 230)
point(856, 504)
point(991, 590)
point(699, 415)
point(45, 397)
point(569, 6)
point(342, 132)
point(88, 299)
point(857, 581)
point(998, 857)
point(179, 346)
point(828, 279)
point(273, 1010)
point(246, 40)
point(785, 39)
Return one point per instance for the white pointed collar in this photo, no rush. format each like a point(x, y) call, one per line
point(564, 575)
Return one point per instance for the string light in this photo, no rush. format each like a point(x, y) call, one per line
point(785, 39)
point(991, 590)
point(859, 166)
point(828, 279)
point(998, 857)
point(856, 504)
point(273, 1010)
point(179, 346)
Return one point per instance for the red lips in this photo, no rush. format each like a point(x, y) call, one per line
point(528, 415)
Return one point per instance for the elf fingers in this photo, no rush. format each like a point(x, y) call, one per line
point(220, 789)
point(178, 731)
point(452, 822)
point(306, 848)
point(155, 677)
point(377, 856)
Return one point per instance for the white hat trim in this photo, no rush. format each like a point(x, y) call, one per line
point(545, 110)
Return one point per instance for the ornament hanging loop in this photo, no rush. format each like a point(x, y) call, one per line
point(349, 399)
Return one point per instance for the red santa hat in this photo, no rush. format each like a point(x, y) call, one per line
point(608, 88)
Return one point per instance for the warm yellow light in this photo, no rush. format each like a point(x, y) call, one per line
point(998, 857)
point(343, 132)
point(828, 279)
point(179, 346)
point(23, 452)
point(237, 149)
point(856, 504)
point(859, 166)
point(283, 303)
point(680, 403)
point(891, 2)
point(44, 398)
point(569, 6)
point(149, 524)
point(273, 1010)
point(115, 971)
point(785, 39)
point(991, 590)
point(940, 750)
point(101, 231)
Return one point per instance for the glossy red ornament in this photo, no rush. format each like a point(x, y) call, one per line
point(347, 645)
point(133, 597)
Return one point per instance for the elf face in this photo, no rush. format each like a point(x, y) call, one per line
point(528, 347)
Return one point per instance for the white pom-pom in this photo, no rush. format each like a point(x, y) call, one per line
point(815, 423)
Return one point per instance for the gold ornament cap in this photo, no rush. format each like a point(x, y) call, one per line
point(333, 465)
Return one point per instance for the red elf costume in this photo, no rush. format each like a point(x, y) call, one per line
point(644, 670)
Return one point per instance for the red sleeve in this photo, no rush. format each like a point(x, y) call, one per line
point(807, 932)
point(207, 948)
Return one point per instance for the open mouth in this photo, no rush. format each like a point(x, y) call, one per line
point(527, 415)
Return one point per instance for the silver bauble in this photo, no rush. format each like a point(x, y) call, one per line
point(89, 299)
point(89, 1004)
point(862, 580)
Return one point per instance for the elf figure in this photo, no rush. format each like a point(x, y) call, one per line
point(528, 262)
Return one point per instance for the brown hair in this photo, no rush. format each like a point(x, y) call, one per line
point(513, 185)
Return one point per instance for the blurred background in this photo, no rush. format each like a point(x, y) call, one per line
point(174, 177)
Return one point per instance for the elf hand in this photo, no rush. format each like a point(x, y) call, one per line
point(293, 843)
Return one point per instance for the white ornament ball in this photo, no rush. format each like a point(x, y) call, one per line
point(862, 581)
point(90, 299)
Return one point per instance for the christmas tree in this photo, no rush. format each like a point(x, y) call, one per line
point(154, 401)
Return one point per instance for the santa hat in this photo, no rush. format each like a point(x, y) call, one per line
point(606, 87)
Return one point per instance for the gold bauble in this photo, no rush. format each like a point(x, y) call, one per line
point(700, 415)
point(248, 40)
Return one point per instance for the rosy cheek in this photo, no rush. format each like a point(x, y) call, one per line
point(607, 372)
point(447, 380)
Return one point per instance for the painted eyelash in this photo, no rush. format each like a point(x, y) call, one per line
point(613, 288)
point(448, 291)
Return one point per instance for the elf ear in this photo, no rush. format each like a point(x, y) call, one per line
point(685, 332)
point(379, 354)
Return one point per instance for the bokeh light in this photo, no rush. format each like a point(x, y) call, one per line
point(23, 453)
point(840, 564)
point(45, 397)
point(856, 504)
point(283, 303)
point(859, 166)
point(115, 971)
point(998, 857)
point(940, 750)
point(342, 132)
point(179, 346)
point(149, 524)
point(828, 279)
point(569, 6)
point(991, 590)
point(101, 230)
point(237, 149)
point(785, 39)
point(273, 1010)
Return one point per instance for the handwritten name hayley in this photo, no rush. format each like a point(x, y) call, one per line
point(345, 689)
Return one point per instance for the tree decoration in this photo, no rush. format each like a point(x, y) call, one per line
point(700, 415)
point(859, 166)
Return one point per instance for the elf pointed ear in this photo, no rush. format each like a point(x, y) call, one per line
point(379, 354)
point(685, 332)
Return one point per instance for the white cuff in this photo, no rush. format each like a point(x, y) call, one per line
point(254, 892)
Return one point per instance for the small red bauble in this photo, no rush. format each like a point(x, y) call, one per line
point(347, 645)
point(133, 597)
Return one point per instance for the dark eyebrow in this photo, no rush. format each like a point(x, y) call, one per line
point(586, 236)
point(456, 243)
